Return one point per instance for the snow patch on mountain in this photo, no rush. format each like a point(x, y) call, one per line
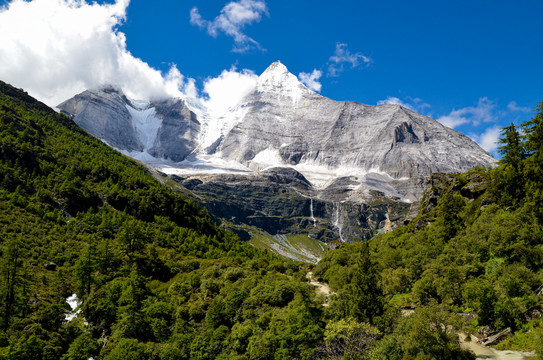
point(277, 79)
point(201, 165)
point(269, 157)
point(321, 176)
point(142, 156)
point(146, 124)
point(214, 127)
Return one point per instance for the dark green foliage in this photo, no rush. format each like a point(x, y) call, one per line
point(128, 349)
point(429, 333)
point(82, 348)
point(512, 148)
point(476, 245)
point(480, 295)
point(450, 207)
point(157, 277)
point(361, 298)
point(533, 131)
point(508, 185)
point(347, 339)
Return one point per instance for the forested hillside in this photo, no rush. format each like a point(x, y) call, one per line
point(156, 277)
point(476, 248)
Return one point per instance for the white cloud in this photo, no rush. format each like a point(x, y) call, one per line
point(343, 56)
point(394, 100)
point(418, 103)
point(453, 120)
point(483, 112)
point(233, 18)
point(311, 80)
point(57, 48)
point(512, 106)
point(414, 104)
point(228, 89)
point(489, 139)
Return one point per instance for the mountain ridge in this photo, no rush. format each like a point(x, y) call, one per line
point(349, 152)
point(261, 112)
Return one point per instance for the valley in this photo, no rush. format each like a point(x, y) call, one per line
point(157, 276)
point(271, 180)
point(285, 159)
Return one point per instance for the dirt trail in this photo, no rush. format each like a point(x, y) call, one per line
point(481, 351)
point(484, 352)
point(321, 288)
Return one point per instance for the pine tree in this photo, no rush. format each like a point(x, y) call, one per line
point(11, 278)
point(533, 168)
point(367, 300)
point(533, 132)
point(84, 268)
point(512, 149)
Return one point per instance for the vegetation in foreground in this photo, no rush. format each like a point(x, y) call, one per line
point(476, 248)
point(157, 279)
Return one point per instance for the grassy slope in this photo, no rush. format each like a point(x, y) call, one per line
point(296, 247)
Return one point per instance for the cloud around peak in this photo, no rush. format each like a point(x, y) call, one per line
point(227, 89)
point(233, 18)
point(482, 112)
point(57, 48)
point(311, 80)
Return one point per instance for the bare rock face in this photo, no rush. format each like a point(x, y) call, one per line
point(164, 129)
point(103, 113)
point(282, 201)
point(177, 135)
point(298, 126)
point(285, 158)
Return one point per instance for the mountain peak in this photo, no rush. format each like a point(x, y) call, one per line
point(277, 79)
point(276, 66)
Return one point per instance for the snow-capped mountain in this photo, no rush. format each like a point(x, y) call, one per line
point(164, 129)
point(289, 124)
point(280, 124)
point(346, 151)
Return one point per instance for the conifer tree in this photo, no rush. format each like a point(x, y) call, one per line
point(533, 132)
point(9, 272)
point(512, 149)
point(533, 169)
point(367, 296)
point(509, 181)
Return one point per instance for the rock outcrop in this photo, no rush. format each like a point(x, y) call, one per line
point(286, 158)
point(165, 129)
point(282, 201)
point(288, 123)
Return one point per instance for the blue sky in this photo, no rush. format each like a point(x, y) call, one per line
point(473, 65)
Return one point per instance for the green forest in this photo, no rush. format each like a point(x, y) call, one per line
point(157, 278)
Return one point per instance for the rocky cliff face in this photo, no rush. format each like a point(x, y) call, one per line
point(281, 200)
point(284, 158)
point(104, 114)
point(289, 124)
point(164, 129)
